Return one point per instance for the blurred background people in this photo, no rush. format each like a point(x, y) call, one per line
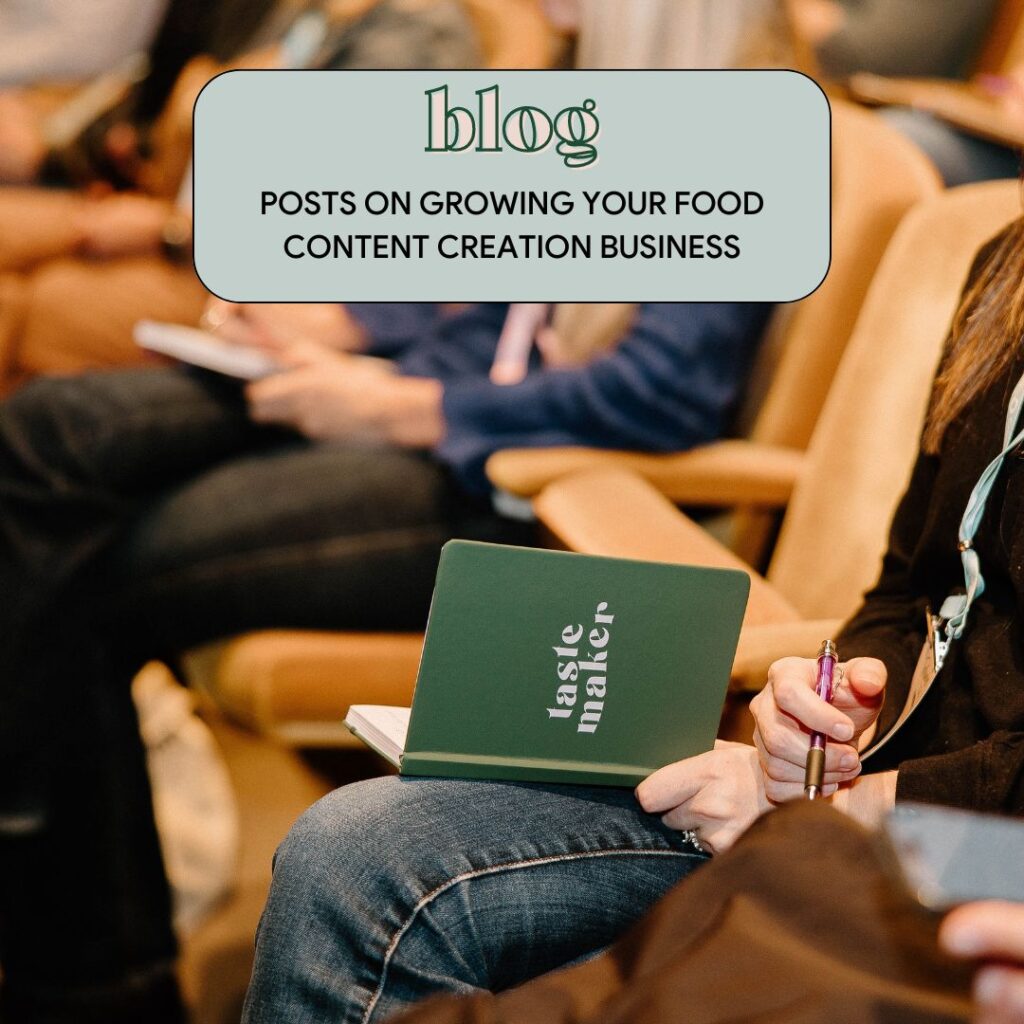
point(127, 499)
point(939, 39)
point(923, 38)
point(80, 270)
point(71, 40)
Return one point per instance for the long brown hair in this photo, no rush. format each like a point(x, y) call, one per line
point(987, 330)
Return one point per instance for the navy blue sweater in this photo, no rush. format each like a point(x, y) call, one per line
point(672, 383)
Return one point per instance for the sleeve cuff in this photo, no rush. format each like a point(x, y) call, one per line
point(947, 779)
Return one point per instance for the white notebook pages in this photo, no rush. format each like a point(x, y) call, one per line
point(200, 348)
point(380, 727)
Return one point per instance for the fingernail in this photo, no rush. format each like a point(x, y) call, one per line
point(989, 984)
point(843, 732)
point(960, 940)
point(848, 761)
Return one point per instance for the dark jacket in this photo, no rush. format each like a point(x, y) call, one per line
point(964, 745)
point(670, 384)
point(802, 922)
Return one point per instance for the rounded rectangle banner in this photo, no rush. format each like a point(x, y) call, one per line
point(477, 186)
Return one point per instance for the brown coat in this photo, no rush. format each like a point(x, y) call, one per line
point(803, 922)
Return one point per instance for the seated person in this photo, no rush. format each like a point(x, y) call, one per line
point(391, 890)
point(741, 940)
point(915, 39)
point(170, 33)
point(79, 271)
point(146, 511)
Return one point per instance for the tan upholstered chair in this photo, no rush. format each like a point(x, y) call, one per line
point(297, 686)
point(877, 176)
point(858, 461)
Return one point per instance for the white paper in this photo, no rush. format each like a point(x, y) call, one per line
point(200, 348)
point(381, 727)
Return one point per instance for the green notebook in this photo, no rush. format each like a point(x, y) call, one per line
point(547, 666)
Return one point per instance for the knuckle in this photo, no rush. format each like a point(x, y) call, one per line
point(785, 690)
point(672, 819)
point(771, 736)
point(784, 667)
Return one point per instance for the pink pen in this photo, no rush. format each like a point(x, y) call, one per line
point(815, 772)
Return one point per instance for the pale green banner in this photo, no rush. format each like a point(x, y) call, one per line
point(561, 186)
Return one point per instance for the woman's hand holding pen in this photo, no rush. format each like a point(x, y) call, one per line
point(788, 710)
point(720, 793)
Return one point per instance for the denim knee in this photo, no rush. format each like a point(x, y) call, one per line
point(341, 889)
point(343, 828)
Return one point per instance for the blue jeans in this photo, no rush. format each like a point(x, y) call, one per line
point(959, 157)
point(391, 890)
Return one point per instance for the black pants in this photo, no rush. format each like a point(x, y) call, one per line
point(142, 513)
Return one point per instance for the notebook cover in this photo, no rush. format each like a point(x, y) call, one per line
point(548, 666)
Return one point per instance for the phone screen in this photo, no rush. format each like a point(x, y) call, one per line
point(951, 856)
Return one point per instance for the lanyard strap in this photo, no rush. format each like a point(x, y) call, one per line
point(956, 608)
point(512, 356)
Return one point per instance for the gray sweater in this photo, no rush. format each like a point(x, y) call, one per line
point(908, 37)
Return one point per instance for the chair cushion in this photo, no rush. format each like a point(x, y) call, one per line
point(297, 685)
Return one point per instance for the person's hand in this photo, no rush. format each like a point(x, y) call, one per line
point(718, 794)
point(787, 710)
point(122, 225)
point(991, 932)
point(296, 334)
point(22, 147)
point(816, 20)
point(351, 398)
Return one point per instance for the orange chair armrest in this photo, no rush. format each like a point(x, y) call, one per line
point(722, 474)
point(297, 685)
point(616, 513)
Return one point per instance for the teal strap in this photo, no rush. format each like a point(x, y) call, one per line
point(957, 608)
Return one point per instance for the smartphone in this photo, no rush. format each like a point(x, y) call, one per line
point(949, 856)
